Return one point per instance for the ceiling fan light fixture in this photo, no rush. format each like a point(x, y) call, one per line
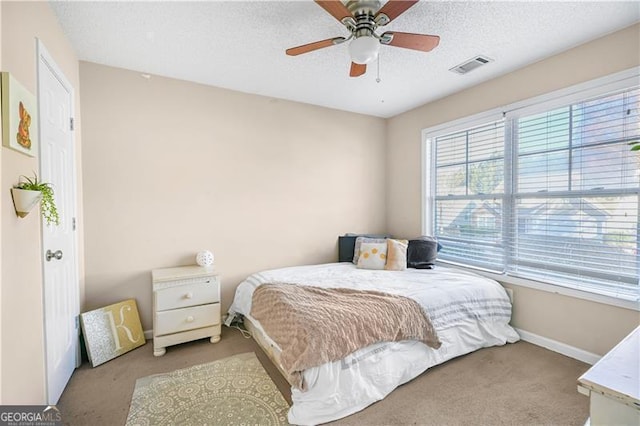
point(361, 18)
point(364, 49)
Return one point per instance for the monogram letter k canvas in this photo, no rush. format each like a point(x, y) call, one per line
point(111, 331)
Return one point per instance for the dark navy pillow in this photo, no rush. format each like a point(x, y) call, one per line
point(422, 252)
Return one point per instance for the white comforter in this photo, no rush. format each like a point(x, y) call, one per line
point(468, 312)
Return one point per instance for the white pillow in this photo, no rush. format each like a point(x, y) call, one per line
point(359, 241)
point(372, 255)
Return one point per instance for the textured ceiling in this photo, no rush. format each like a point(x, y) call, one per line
point(240, 45)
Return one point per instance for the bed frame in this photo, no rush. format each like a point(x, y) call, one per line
point(272, 351)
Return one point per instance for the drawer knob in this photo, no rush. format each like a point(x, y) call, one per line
point(190, 318)
point(188, 295)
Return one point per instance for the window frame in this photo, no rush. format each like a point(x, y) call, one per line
point(510, 113)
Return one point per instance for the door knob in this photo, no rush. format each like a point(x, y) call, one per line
point(50, 255)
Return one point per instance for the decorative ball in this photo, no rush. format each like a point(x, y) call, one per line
point(204, 258)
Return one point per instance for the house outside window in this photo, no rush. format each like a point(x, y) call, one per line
point(551, 195)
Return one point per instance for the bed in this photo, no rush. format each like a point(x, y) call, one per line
point(467, 311)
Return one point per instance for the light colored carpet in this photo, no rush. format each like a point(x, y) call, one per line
point(516, 384)
point(231, 391)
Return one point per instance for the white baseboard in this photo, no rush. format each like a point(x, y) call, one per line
point(559, 347)
point(148, 334)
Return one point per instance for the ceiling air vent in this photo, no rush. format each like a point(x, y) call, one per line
point(471, 64)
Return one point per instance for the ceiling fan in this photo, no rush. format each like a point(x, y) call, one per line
point(362, 18)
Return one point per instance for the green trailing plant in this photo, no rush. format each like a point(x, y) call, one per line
point(47, 203)
point(635, 145)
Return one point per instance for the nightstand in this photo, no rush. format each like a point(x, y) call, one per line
point(186, 306)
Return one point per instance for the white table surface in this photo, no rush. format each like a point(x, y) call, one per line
point(617, 374)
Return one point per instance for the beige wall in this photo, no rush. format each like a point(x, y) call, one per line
point(586, 325)
point(172, 167)
point(594, 327)
point(21, 316)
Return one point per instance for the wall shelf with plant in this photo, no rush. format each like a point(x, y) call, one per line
point(28, 192)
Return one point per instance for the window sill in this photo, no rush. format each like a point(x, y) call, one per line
point(556, 289)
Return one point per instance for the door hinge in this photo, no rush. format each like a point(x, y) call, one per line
point(73, 223)
point(71, 123)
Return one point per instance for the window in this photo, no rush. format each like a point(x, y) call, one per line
point(552, 196)
point(469, 194)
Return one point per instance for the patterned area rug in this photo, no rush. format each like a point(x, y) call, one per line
point(230, 391)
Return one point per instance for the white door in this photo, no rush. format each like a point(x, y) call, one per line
point(60, 276)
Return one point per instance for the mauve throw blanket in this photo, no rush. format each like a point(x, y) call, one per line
point(315, 325)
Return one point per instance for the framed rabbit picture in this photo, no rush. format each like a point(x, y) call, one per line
point(19, 117)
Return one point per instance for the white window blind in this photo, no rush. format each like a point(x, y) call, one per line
point(553, 197)
point(469, 176)
point(576, 199)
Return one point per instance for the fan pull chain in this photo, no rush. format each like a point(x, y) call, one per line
point(378, 76)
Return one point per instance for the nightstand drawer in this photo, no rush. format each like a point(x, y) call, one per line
point(187, 295)
point(187, 319)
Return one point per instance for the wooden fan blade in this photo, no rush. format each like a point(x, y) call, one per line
point(335, 8)
point(310, 47)
point(394, 8)
point(421, 42)
point(357, 69)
